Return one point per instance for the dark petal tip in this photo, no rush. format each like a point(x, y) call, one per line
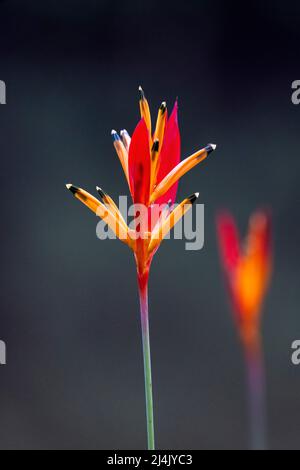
point(193, 198)
point(163, 107)
point(142, 93)
point(115, 135)
point(210, 148)
point(155, 146)
point(72, 188)
point(100, 191)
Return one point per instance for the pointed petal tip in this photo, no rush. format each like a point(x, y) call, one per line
point(163, 107)
point(142, 94)
point(115, 135)
point(155, 146)
point(100, 191)
point(72, 188)
point(260, 219)
point(210, 148)
point(193, 197)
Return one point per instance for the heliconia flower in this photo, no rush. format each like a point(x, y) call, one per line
point(247, 270)
point(152, 167)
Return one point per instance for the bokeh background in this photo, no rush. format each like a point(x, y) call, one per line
point(69, 306)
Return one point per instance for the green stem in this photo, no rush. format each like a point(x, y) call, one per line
point(143, 292)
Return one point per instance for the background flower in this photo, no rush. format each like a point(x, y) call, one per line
point(247, 269)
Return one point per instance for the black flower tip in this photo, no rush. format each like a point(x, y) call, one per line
point(210, 148)
point(100, 191)
point(142, 94)
point(72, 188)
point(163, 107)
point(193, 198)
point(155, 146)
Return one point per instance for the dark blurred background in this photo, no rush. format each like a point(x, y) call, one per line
point(69, 306)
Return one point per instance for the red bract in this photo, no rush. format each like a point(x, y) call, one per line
point(139, 164)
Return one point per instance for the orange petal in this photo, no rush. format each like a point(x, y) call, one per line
point(110, 203)
point(169, 155)
point(166, 225)
point(180, 170)
point(158, 141)
point(103, 212)
point(145, 110)
point(121, 152)
point(254, 270)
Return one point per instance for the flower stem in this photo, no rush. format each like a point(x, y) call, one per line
point(143, 292)
point(256, 385)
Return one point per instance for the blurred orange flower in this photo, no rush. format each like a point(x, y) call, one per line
point(247, 269)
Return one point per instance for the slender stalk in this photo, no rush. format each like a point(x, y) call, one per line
point(256, 390)
point(143, 292)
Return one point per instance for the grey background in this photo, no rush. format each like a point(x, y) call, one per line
point(69, 311)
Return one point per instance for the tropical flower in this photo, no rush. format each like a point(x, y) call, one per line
point(152, 167)
point(248, 270)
